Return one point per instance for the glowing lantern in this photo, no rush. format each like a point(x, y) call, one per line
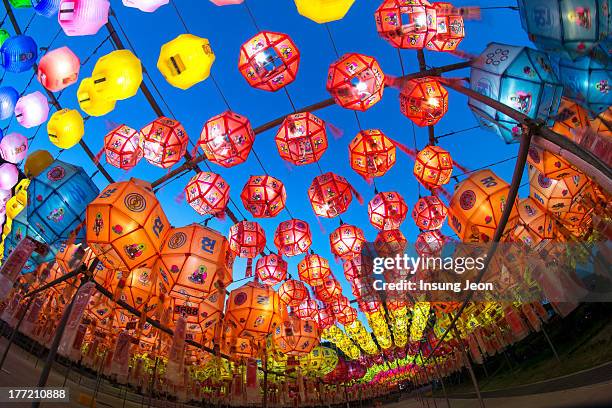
point(227, 139)
point(346, 241)
point(301, 139)
point(324, 318)
point(66, 128)
point(330, 195)
point(292, 292)
point(549, 164)
point(424, 101)
point(32, 109)
point(371, 153)
point(433, 167)
point(8, 99)
point(247, 239)
point(57, 199)
point(429, 213)
point(164, 142)
point(323, 11)
point(122, 147)
point(356, 267)
point(226, 2)
point(202, 315)
point(347, 316)
point(4, 35)
point(536, 224)
point(477, 205)
point(600, 124)
point(369, 305)
point(271, 269)
point(264, 196)
point(450, 29)
point(295, 337)
point(269, 61)
point(518, 77)
point(18, 53)
point(46, 8)
point(356, 81)
point(419, 17)
point(314, 270)
point(292, 237)
point(387, 210)
point(556, 195)
point(391, 242)
point(320, 361)
point(9, 175)
point(36, 162)
point(148, 6)
point(117, 75)
point(126, 225)
point(91, 102)
point(207, 193)
point(186, 60)
point(429, 243)
point(82, 17)
point(14, 147)
point(58, 69)
point(329, 290)
point(306, 310)
point(570, 118)
point(253, 310)
point(20, 3)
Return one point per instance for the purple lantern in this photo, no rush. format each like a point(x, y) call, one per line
point(82, 17)
point(9, 175)
point(14, 147)
point(148, 6)
point(32, 109)
point(4, 197)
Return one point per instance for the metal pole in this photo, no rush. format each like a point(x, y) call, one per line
point(550, 343)
point(14, 333)
point(265, 379)
point(470, 368)
point(441, 380)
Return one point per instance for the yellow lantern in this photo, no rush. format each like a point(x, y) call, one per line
point(324, 11)
point(117, 75)
point(66, 128)
point(186, 60)
point(91, 102)
point(320, 361)
point(36, 162)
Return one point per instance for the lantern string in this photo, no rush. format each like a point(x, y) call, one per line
point(25, 30)
point(3, 19)
point(456, 132)
point(248, 9)
point(485, 167)
point(95, 50)
point(46, 49)
point(515, 8)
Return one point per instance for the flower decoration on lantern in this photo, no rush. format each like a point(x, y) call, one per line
point(264, 196)
point(253, 310)
point(32, 109)
point(433, 167)
point(271, 269)
point(356, 81)
point(207, 193)
point(82, 17)
point(293, 237)
point(293, 292)
point(18, 53)
point(346, 241)
point(330, 195)
point(429, 213)
point(227, 139)
point(164, 142)
point(406, 24)
point(424, 101)
point(314, 270)
point(186, 60)
point(301, 139)
point(66, 128)
point(387, 210)
point(122, 147)
point(58, 69)
point(371, 153)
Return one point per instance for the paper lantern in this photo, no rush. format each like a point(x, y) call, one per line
point(91, 102)
point(126, 225)
point(46, 8)
point(292, 292)
point(292, 237)
point(269, 61)
point(599, 124)
point(307, 309)
point(20, 3)
point(330, 195)
point(556, 195)
point(324, 318)
point(357, 267)
point(406, 24)
point(82, 17)
point(301, 139)
point(264, 196)
point(32, 110)
point(253, 310)
point(164, 142)
point(429, 213)
point(36, 162)
point(429, 243)
point(8, 100)
point(271, 269)
point(227, 139)
point(450, 29)
point(19, 53)
point(148, 6)
point(58, 69)
point(424, 101)
point(387, 210)
point(122, 147)
point(347, 316)
point(4, 35)
point(371, 153)
point(247, 239)
point(320, 361)
point(202, 315)
point(329, 290)
point(226, 2)
point(314, 270)
point(323, 11)
point(356, 81)
point(207, 193)
point(295, 337)
point(66, 128)
point(20, 228)
point(369, 306)
point(117, 75)
point(433, 167)
point(346, 241)
point(549, 164)
point(570, 118)
point(535, 224)
point(518, 77)
point(138, 288)
point(389, 243)
point(14, 147)
point(186, 60)
point(9, 175)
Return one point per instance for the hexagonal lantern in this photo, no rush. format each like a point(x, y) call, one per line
point(330, 195)
point(271, 269)
point(122, 147)
point(429, 213)
point(387, 210)
point(207, 193)
point(227, 139)
point(292, 237)
point(371, 153)
point(301, 139)
point(164, 142)
point(264, 196)
point(356, 81)
point(450, 29)
point(433, 167)
point(346, 241)
point(314, 269)
point(293, 292)
point(424, 101)
point(406, 23)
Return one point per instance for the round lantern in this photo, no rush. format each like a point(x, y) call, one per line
point(346, 241)
point(126, 225)
point(301, 139)
point(450, 29)
point(369, 305)
point(292, 237)
point(14, 147)
point(387, 210)
point(429, 243)
point(371, 153)
point(9, 176)
point(518, 77)
point(148, 6)
point(295, 337)
point(57, 199)
point(227, 139)
point(330, 195)
point(356, 81)
point(66, 128)
point(347, 316)
point(186, 60)
point(32, 109)
point(549, 164)
point(36, 162)
point(164, 142)
point(306, 310)
point(406, 24)
point(357, 267)
point(389, 243)
point(18, 53)
point(292, 292)
point(329, 290)
point(82, 17)
point(536, 224)
point(247, 239)
point(429, 213)
point(46, 8)
point(271, 269)
point(323, 11)
point(58, 69)
point(433, 167)
point(122, 147)
point(253, 310)
point(207, 193)
point(91, 102)
point(320, 361)
point(324, 318)
point(264, 196)
point(117, 75)
point(269, 61)
point(556, 195)
point(424, 101)
point(8, 99)
point(314, 270)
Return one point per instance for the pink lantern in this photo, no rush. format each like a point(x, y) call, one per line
point(4, 197)
point(58, 69)
point(148, 6)
point(226, 2)
point(122, 147)
point(14, 147)
point(9, 175)
point(429, 243)
point(164, 142)
point(32, 109)
point(82, 17)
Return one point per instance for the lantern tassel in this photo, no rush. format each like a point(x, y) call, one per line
point(358, 196)
point(393, 82)
point(463, 55)
point(441, 191)
point(98, 156)
point(249, 268)
point(467, 12)
point(408, 151)
point(179, 197)
point(336, 132)
point(321, 228)
point(461, 167)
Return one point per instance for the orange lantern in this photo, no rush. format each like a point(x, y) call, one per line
point(239, 348)
point(295, 337)
point(271, 269)
point(264, 196)
point(356, 81)
point(429, 243)
point(122, 147)
point(227, 139)
point(164, 142)
point(346, 241)
point(247, 239)
point(390, 242)
point(203, 315)
point(570, 117)
point(356, 267)
point(293, 237)
point(549, 164)
point(207, 193)
point(387, 210)
point(269, 61)
point(324, 318)
point(557, 196)
point(293, 292)
point(535, 225)
point(339, 305)
point(601, 124)
point(450, 29)
point(306, 310)
point(406, 23)
point(330, 195)
point(424, 101)
point(371, 153)
point(429, 213)
point(301, 139)
point(69, 257)
point(329, 290)
point(314, 269)
point(433, 167)
point(138, 288)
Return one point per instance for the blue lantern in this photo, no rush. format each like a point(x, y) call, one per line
point(18, 53)
point(46, 8)
point(8, 99)
point(569, 27)
point(519, 77)
point(57, 199)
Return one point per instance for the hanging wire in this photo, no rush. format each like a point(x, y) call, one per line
point(25, 30)
point(3, 19)
point(46, 49)
point(248, 9)
point(95, 50)
point(331, 37)
point(515, 8)
point(456, 132)
point(485, 167)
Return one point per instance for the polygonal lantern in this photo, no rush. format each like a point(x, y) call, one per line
point(535, 223)
point(58, 69)
point(406, 24)
point(330, 195)
point(203, 314)
point(164, 142)
point(429, 243)
point(82, 17)
point(557, 196)
point(293, 237)
point(186, 60)
point(207, 193)
point(293, 292)
point(387, 210)
point(389, 243)
point(329, 290)
point(450, 29)
point(295, 337)
point(356, 81)
point(227, 139)
point(346, 241)
point(323, 11)
point(570, 118)
point(549, 164)
point(247, 239)
point(271, 269)
point(122, 147)
point(324, 318)
point(424, 101)
point(301, 139)
point(314, 269)
point(307, 309)
point(429, 213)
point(264, 196)
point(371, 153)
point(433, 167)
point(253, 310)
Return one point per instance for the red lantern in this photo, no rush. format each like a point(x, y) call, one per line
point(429, 243)
point(306, 310)
point(450, 29)
point(58, 69)
point(301, 139)
point(356, 81)
point(339, 305)
point(387, 210)
point(164, 142)
point(269, 61)
point(424, 101)
point(346, 241)
point(329, 290)
point(371, 153)
point(357, 267)
point(314, 269)
point(293, 237)
point(122, 147)
point(324, 318)
point(369, 305)
point(264, 196)
point(348, 316)
point(293, 292)
point(330, 195)
point(406, 24)
point(207, 193)
point(389, 243)
point(362, 288)
point(247, 239)
point(429, 213)
point(271, 269)
point(227, 139)
point(433, 167)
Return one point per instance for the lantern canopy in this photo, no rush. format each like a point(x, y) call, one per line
point(58, 69)
point(292, 237)
point(207, 193)
point(18, 53)
point(247, 239)
point(356, 81)
point(387, 210)
point(346, 241)
point(117, 75)
point(330, 195)
point(82, 17)
point(164, 142)
point(66, 128)
point(227, 139)
point(371, 153)
point(186, 60)
point(271, 269)
point(324, 11)
point(8, 100)
point(301, 139)
point(429, 213)
point(450, 29)
point(14, 147)
point(406, 24)
point(91, 102)
point(433, 167)
point(264, 196)
point(46, 8)
point(148, 6)
point(424, 101)
point(293, 292)
point(32, 110)
point(314, 269)
point(253, 310)
point(122, 147)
